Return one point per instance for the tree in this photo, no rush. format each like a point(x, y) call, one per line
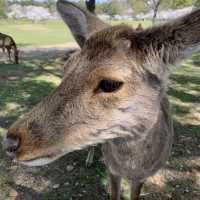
point(145, 6)
point(110, 8)
point(178, 4)
point(2, 8)
point(197, 3)
point(138, 5)
point(154, 5)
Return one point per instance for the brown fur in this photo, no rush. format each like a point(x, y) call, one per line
point(133, 123)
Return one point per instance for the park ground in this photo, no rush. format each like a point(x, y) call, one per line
point(39, 72)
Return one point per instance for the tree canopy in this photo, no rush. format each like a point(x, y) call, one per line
point(112, 7)
point(2, 8)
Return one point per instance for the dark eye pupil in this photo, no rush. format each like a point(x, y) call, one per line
point(110, 85)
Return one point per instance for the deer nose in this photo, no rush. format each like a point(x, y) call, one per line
point(11, 145)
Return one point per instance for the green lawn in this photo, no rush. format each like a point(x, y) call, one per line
point(27, 33)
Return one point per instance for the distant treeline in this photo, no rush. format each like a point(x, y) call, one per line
point(112, 7)
point(47, 3)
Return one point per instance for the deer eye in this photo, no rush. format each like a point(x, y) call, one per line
point(109, 85)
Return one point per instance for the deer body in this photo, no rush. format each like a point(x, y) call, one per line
point(138, 159)
point(7, 43)
point(113, 92)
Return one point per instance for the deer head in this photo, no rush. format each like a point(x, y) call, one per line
point(112, 88)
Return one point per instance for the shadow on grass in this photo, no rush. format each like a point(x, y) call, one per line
point(196, 60)
point(30, 68)
point(61, 183)
point(186, 144)
point(21, 96)
point(81, 182)
point(185, 79)
point(185, 97)
point(184, 188)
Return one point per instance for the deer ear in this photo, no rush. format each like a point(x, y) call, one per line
point(173, 41)
point(81, 22)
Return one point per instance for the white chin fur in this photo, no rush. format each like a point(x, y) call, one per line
point(41, 161)
point(37, 162)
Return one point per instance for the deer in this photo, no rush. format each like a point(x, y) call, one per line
point(7, 43)
point(113, 93)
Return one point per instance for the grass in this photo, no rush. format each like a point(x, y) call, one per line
point(22, 86)
point(27, 33)
point(52, 32)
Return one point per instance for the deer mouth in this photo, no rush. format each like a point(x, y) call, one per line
point(42, 160)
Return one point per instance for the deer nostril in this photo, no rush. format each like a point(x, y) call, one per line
point(11, 146)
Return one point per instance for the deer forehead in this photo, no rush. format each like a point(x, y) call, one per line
point(106, 42)
point(105, 54)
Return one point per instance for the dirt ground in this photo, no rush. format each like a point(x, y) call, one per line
point(70, 179)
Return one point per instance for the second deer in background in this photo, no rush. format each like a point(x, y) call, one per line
point(8, 44)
